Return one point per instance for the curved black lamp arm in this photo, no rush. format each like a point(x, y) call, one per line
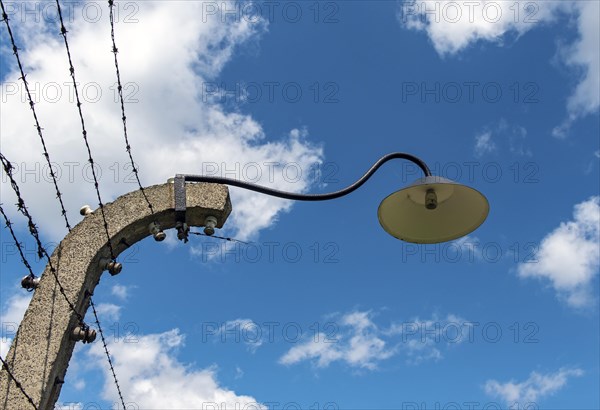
point(309, 197)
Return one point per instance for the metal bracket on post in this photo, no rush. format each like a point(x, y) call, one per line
point(180, 201)
point(180, 208)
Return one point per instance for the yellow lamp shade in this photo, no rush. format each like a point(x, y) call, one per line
point(433, 210)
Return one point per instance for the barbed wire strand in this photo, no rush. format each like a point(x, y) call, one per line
point(19, 385)
point(220, 237)
point(35, 117)
point(110, 363)
point(115, 50)
point(63, 32)
point(17, 243)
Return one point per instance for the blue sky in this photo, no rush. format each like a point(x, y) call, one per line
point(325, 310)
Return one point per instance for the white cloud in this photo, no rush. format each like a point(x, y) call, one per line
point(569, 256)
point(360, 343)
point(357, 344)
point(365, 348)
point(239, 373)
point(484, 144)
point(422, 339)
point(165, 59)
point(79, 385)
point(151, 376)
point(533, 389)
point(108, 312)
point(120, 291)
point(516, 136)
point(15, 307)
point(452, 26)
point(320, 349)
point(242, 331)
point(502, 135)
point(10, 318)
point(583, 54)
point(69, 406)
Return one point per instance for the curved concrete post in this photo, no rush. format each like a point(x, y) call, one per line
point(41, 350)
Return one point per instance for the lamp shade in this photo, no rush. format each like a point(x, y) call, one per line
point(432, 210)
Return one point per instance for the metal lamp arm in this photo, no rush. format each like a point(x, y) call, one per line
point(309, 197)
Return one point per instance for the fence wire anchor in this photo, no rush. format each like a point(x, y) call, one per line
point(156, 232)
point(210, 223)
point(86, 210)
point(30, 282)
point(113, 267)
point(83, 334)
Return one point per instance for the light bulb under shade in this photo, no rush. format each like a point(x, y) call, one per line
point(460, 210)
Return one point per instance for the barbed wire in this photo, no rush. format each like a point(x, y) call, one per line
point(35, 117)
point(17, 243)
point(220, 237)
point(115, 50)
point(63, 32)
point(26, 263)
point(110, 363)
point(19, 385)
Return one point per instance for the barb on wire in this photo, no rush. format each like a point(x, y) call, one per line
point(63, 32)
point(110, 363)
point(19, 385)
point(35, 117)
point(220, 237)
point(115, 50)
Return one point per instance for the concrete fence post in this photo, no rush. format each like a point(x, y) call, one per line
point(42, 347)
